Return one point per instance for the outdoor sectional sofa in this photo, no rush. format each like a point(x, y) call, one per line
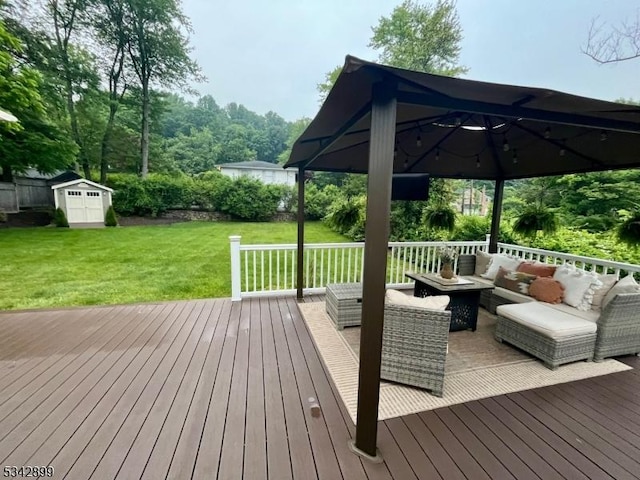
point(560, 333)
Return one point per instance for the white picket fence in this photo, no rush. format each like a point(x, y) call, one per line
point(269, 270)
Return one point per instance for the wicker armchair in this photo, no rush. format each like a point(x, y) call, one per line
point(414, 346)
point(619, 327)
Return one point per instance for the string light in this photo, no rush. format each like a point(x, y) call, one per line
point(437, 154)
point(477, 161)
point(418, 141)
point(458, 121)
point(505, 144)
point(547, 132)
point(603, 136)
point(406, 163)
point(562, 150)
point(515, 156)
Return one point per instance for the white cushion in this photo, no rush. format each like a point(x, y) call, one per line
point(591, 315)
point(608, 281)
point(579, 286)
point(434, 302)
point(513, 296)
point(484, 281)
point(626, 285)
point(504, 261)
point(551, 323)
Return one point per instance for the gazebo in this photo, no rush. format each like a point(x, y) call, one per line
point(381, 120)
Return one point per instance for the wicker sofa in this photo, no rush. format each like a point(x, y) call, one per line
point(617, 329)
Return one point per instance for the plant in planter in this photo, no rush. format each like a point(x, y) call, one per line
point(629, 230)
point(440, 217)
point(447, 256)
point(534, 219)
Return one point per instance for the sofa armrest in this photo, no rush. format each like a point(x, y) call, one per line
point(619, 327)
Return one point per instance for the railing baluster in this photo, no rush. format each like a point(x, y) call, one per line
point(342, 267)
point(262, 269)
point(246, 271)
point(315, 266)
point(270, 269)
point(278, 269)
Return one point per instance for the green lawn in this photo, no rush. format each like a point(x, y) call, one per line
point(50, 267)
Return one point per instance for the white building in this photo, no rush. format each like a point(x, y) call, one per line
point(268, 173)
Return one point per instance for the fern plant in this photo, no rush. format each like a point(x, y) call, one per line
point(440, 217)
point(534, 219)
point(629, 231)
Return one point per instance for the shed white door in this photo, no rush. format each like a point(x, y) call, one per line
point(84, 206)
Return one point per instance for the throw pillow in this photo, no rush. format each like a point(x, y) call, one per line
point(579, 286)
point(482, 262)
point(515, 281)
point(546, 289)
point(504, 261)
point(608, 281)
point(626, 285)
point(538, 269)
point(435, 302)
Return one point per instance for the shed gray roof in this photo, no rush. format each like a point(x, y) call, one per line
point(450, 127)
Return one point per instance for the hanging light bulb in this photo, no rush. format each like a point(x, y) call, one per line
point(505, 144)
point(437, 154)
point(458, 121)
point(603, 136)
point(477, 161)
point(563, 151)
point(515, 156)
point(547, 132)
point(419, 141)
point(406, 162)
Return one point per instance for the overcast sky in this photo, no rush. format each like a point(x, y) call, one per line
point(271, 54)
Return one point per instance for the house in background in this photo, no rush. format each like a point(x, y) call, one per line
point(267, 173)
point(473, 201)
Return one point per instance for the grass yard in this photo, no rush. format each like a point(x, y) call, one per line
point(50, 267)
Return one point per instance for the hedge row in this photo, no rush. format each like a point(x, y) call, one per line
point(243, 198)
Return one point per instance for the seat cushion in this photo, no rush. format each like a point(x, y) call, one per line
point(548, 321)
point(591, 315)
point(435, 302)
point(626, 285)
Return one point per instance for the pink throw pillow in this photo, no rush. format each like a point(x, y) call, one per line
point(537, 268)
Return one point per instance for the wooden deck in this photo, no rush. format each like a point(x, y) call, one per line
point(210, 389)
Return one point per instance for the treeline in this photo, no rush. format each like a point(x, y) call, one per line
point(87, 80)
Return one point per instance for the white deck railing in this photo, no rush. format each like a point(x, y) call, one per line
point(557, 258)
point(267, 270)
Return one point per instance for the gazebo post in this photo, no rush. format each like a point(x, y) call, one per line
point(300, 264)
point(495, 215)
point(382, 141)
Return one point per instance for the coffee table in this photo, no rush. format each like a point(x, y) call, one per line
point(465, 298)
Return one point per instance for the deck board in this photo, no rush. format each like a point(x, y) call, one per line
point(216, 389)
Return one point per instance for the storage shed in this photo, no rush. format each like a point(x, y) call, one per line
point(84, 202)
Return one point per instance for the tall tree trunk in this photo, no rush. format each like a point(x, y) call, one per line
point(106, 138)
point(144, 140)
point(7, 174)
point(75, 131)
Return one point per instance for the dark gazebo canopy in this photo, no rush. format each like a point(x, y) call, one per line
point(381, 120)
point(455, 128)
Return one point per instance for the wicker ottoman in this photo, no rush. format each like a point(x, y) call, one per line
point(553, 336)
point(344, 304)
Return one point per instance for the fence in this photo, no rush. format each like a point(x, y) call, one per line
point(268, 270)
point(25, 193)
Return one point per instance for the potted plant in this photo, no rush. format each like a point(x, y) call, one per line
point(629, 230)
point(447, 256)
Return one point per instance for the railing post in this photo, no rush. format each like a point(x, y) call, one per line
point(234, 241)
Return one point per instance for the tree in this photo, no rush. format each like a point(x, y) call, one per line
point(614, 44)
point(425, 38)
point(35, 141)
point(329, 79)
point(295, 130)
point(158, 49)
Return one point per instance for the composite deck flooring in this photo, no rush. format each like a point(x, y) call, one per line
point(214, 389)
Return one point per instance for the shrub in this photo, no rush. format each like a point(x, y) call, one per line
point(110, 219)
point(249, 199)
point(3, 216)
point(471, 228)
point(628, 232)
point(60, 219)
point(318, 200)
point(345, 213)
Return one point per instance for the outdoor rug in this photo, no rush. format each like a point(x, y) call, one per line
point(477, 367)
